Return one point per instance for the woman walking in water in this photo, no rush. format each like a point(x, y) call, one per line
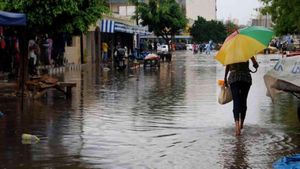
point(239, 81)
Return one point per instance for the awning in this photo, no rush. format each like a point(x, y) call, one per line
point(110, 26)
point(107, 26)
point(12, 19)
point(142, 30)
point(121, 27)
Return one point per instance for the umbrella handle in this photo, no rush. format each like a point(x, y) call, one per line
point(253, 71)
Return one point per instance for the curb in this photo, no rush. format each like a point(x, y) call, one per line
point(59, 70)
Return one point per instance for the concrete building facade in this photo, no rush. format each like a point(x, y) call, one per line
point(205, 8)
point(122, 11)
point(262, 20)
point(192, 8)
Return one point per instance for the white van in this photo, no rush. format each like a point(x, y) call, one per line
point(189, 47)
point(162, 48)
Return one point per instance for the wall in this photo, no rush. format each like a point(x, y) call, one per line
point(72, 53)
point(204, 8)
point(265, 21)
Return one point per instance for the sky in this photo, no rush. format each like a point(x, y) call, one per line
point(243, 10)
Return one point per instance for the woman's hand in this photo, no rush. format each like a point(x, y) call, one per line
point(255, 64)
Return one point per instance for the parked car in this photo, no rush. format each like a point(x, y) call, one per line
point(189, 47)
point(162, 48)
point(180, 46)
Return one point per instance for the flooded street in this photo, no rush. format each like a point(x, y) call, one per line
point(167, 118)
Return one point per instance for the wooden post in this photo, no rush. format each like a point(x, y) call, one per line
point(81, 49)
point(23, 69)
point(97, 45)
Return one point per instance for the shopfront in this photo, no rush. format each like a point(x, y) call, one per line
point(115, 32)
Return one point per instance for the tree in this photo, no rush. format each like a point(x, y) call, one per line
point(164, 17)
point(136, 15)
point(285, 15)
point(55, 16)
point(2, 5)
point(203, 31)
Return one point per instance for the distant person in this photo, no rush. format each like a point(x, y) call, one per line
point(208, 47)
point(201, 47)
point(289, 39)
point(2, 51)
point(239, 81)
point(118, 45)
point(146, 45)
point(17, 54)
point(195, 48)
point(126, 51)
point(49, 49)
point(31, 42)
point(32, 59)
point(105, 51)
point(155, 46)
point(44, 50)
point(173, 46)
point(150, 48)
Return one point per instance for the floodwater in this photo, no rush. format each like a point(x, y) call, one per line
point(167, 118)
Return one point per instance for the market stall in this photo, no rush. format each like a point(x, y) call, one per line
point(10, 19)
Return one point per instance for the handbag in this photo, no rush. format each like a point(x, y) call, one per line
point(225, 95)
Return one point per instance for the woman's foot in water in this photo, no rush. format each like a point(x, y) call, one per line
point(241, 125)
point(237, 128)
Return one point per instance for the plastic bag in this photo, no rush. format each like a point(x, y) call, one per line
point(225, 95)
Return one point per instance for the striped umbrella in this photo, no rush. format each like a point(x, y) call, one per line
point(244, 43)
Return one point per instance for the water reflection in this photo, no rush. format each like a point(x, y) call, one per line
point(166, 118)
point(237, 156)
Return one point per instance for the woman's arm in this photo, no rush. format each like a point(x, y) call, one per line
point(225, 77)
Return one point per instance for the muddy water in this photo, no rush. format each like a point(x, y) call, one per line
point(166, 118)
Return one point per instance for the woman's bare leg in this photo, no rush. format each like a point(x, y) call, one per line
point(237, 128)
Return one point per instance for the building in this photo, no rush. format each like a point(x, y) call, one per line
point(123, 8)
point(262, 20)
point(194, 8)
point(118, 27)
point(121, 11)
point(125, 29)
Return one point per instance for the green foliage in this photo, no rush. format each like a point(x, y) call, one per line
point(52, 16)
point(136, 14)
point(203, 31)
point(164, 17)
point(285, 15)
point(2, 5)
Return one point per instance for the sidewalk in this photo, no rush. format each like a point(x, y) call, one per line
point(9, 85)
point(6, 83)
